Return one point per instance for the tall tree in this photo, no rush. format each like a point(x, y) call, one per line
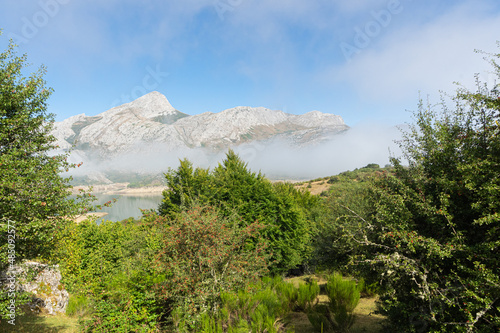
point(34, 197)
point(435, 232)
point(233, 188)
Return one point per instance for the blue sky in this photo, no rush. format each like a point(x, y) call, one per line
point(364, 60)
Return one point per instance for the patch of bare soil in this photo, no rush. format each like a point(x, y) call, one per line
point(314, 187)
point(89, 216)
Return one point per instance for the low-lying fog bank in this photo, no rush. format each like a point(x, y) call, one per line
point(355, 148)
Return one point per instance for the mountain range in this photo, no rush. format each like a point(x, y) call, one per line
point(152, 123)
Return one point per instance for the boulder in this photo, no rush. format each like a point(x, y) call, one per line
point(43, 282)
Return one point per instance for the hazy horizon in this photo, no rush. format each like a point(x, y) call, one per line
point(354, 148)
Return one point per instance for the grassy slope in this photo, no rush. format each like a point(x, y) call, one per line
point(329, 185)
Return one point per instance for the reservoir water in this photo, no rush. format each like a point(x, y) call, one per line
point(126, 206)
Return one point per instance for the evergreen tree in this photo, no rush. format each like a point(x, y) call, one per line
point(233, 188)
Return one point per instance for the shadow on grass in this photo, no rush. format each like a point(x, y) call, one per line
point(366, 320)
point(41, 324)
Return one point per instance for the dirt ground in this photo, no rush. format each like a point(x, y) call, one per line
point(315, 187)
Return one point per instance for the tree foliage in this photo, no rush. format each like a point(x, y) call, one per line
point(435, 229)
point(203, 255)
point(110, 267)
point(233, 188)
point(34, 202)
point(349, 194)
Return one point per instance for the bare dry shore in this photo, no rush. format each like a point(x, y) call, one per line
point(89, 215)
point(121, 189)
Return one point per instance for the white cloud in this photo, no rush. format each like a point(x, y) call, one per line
point(359, 146)
point(423, 58)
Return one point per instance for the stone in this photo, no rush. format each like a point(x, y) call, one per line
point(43, 281)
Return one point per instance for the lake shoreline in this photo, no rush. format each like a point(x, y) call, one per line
point(123, 189)
point(120, 189)
point(114, 207)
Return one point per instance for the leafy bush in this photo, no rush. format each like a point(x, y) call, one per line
point(333, 242)
point(368, 290)
point(204, 255)
point(123, 316)
point(307, 294)
point(433, 235)
point(108, 269)
point(372, 166)
point(337, 315)
point(232, 187)
point(78, 306)
point(92, 253)
point(333, 179)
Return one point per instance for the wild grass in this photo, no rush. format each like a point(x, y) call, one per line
point(41, 323)
point(367, 321)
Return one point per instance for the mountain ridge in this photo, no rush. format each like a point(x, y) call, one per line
point(152, 121)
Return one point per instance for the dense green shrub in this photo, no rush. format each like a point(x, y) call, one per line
point(108, 269)
point(348, 196)
point(433, 237)
point(368, 289)
point(203, 255)
point(319, 320)
point(92, 253)
point(337, 315)
point(307, 294)
point(232, 187)
point(343, 298)
point(259, 308)
point(288, 292)
point(343, 293)
point(126, 315)
point(78, 306)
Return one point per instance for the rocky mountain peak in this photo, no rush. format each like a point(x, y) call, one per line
point(153, 101)
point(151, 121)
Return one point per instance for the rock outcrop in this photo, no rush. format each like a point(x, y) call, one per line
point(44, 282)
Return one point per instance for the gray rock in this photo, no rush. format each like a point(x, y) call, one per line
point(44, 282)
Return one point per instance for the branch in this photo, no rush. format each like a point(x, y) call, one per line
point(480, 314)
